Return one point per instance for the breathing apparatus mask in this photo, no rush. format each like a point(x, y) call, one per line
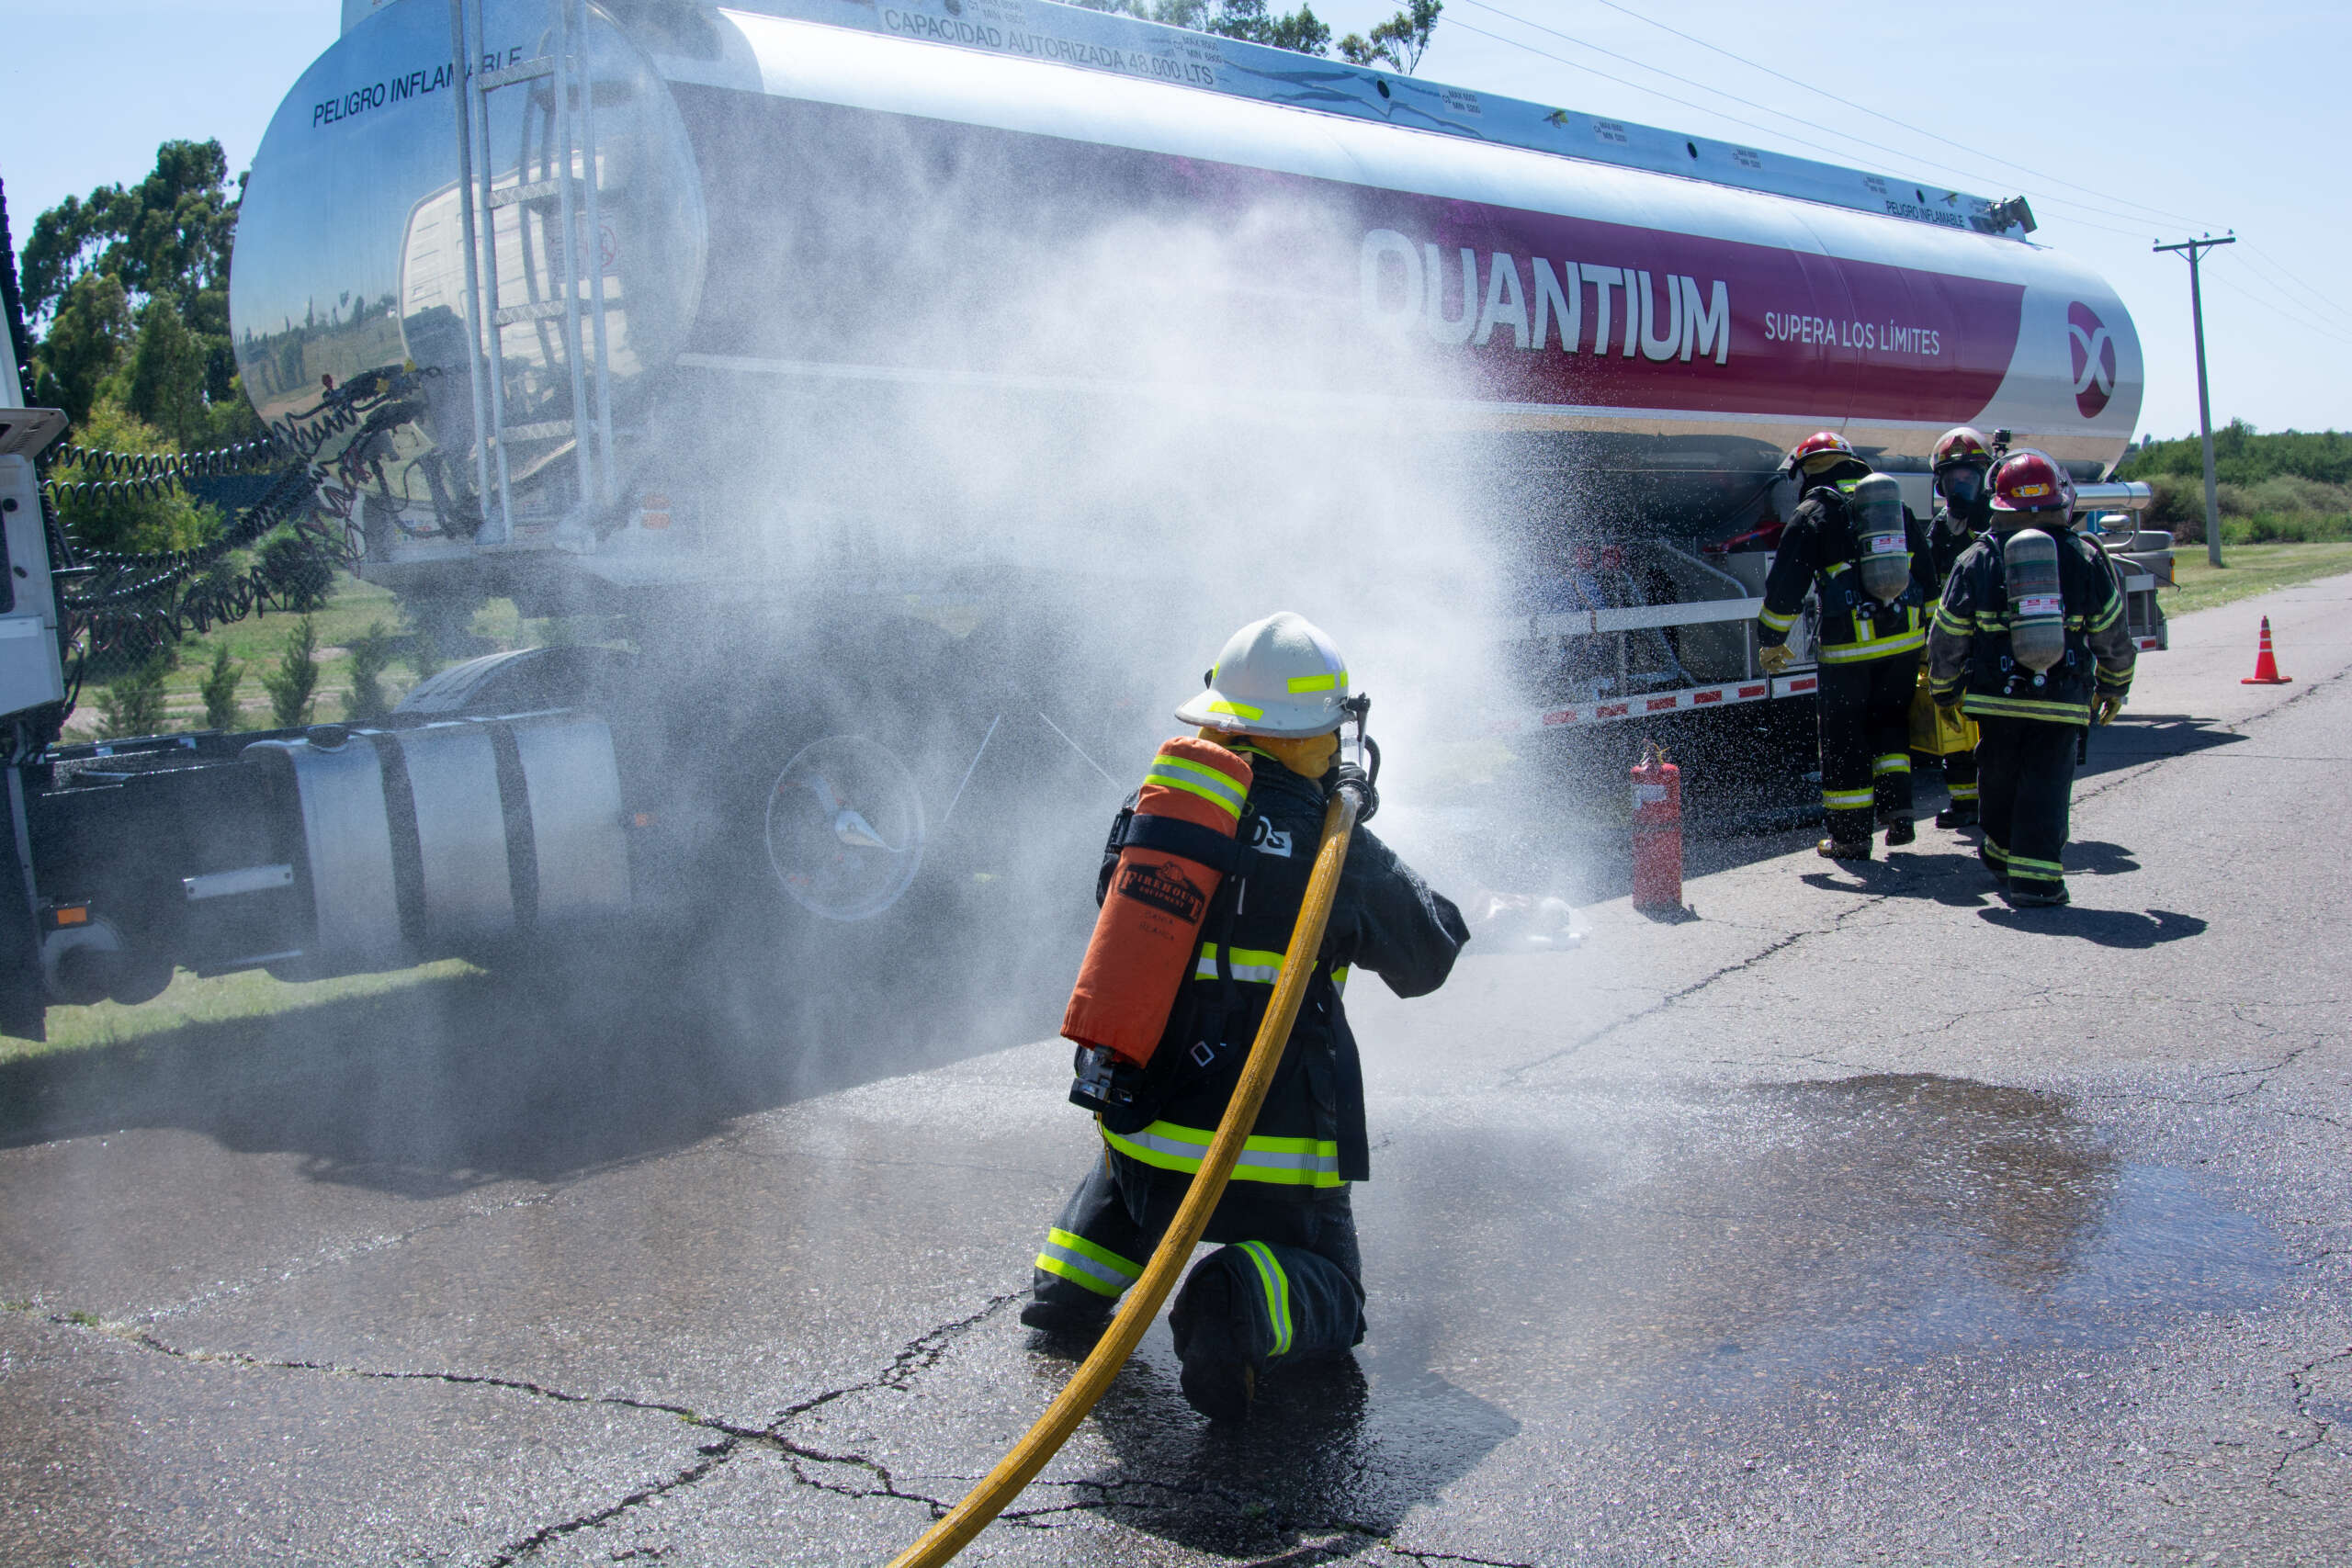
point(1965, 492)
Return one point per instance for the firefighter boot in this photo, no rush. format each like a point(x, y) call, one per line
point(1959, 814)
point(1064, 1320)
point(1902, 831)
point(1830, 849)
point(1212, 1329)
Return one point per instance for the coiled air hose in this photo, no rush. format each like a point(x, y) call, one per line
point(955, 1530)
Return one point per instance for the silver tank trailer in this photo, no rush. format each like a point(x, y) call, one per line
point(782, 188)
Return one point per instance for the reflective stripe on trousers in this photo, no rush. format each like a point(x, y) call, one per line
point(1282, 1162)
point(1276, 1285)
point(1081, 1262)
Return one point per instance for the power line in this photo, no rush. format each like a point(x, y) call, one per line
point(2312, 297)
point(1653, 92)
point(1766, 108)
point(2283, 313)
point(1864, 109)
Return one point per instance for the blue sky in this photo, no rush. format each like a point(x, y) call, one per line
point(2217, 117)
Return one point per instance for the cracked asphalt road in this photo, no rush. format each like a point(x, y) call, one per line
point(1861, 1219)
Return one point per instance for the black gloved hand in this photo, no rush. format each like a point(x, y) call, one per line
point(1348, 775)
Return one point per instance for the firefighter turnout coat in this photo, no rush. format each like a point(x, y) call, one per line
point(1968, 647)
point(1818, 550)
point(1310, 1135)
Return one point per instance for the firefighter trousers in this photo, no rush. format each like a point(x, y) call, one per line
point(2026, 780)
point(1286, 1285)
point(1865, 711)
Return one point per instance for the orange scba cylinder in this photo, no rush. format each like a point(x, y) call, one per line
point(1177, 848)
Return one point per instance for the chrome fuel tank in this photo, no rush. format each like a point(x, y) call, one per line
point(827, 196)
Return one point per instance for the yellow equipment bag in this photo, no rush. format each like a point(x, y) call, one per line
point(1938, 732)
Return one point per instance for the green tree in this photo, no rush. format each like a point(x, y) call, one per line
point(163, 382)
point(295, 573)
point(92, 264)
point(132, 702)
point(371, 654)
point(294, 685)
point(88, 338)
point(1249, 20)
point(169, 236)
point(1399, 42)
point(220, 690)
point(115, 517)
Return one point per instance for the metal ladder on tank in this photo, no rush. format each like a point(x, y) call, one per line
point(565, 183)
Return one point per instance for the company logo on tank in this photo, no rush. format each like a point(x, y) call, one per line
point(2094, 355)
point(1651, 319)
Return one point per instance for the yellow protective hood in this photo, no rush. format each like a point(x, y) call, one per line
point(1310, 757)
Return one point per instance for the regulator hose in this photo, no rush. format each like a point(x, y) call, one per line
point(955, 1529)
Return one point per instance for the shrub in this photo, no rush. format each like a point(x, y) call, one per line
point(220, 690)
point(132, 702)
point(294, 685)
point(372, 653)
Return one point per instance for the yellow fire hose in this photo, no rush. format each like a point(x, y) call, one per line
point(955, 1531)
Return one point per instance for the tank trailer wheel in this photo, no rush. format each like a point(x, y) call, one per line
point(845, 828)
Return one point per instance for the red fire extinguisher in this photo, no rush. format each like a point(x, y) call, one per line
point(1658, 831)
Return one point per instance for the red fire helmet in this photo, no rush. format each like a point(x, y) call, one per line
point(1961, 444)
point(2027, 480)
point(1819, 448)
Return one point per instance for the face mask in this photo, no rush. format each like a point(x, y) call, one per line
point(1963, 486)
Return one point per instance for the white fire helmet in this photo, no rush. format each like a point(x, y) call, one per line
point(1279, 677)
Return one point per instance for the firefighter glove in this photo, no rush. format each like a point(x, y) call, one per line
point(2105, 707)
point(1352, 777)
point(1775, 658)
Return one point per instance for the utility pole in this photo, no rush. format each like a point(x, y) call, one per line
point(2194, 250)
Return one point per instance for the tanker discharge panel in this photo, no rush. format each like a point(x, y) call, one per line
point(825, 208)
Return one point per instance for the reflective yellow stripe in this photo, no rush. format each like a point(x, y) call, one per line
point(1238, 710)
point(1892, 763)
point(1948, 622)
point(1280, 1162)
point(1963, 792)
point(2050, 869)
point(1191, 777)
point(1847, 799)
point(1859, 652)
point(1259, 965)
point(1777, 623)
point(1977, 706)
point(1081, 1262)
point(1276, 1285)
point(1318, 683)
point(1994, 851)
point(2107, 618)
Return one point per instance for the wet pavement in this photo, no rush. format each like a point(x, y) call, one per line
point(1859, 1219)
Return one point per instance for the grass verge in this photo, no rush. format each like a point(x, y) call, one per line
point(221, 999)
point(2252, 570)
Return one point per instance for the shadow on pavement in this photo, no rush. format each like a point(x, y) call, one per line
point(2104, 928)
point(546, 1074)
point(2137, 738)
point(1951, 876)
point(1325, 1451)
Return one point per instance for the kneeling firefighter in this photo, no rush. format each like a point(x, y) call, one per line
point(2029, 640)
point(1853, 542)
point(1204, 871)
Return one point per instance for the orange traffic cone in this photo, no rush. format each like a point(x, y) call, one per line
point(2266, 664)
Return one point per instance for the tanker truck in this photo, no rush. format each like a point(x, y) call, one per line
point(705, 321)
